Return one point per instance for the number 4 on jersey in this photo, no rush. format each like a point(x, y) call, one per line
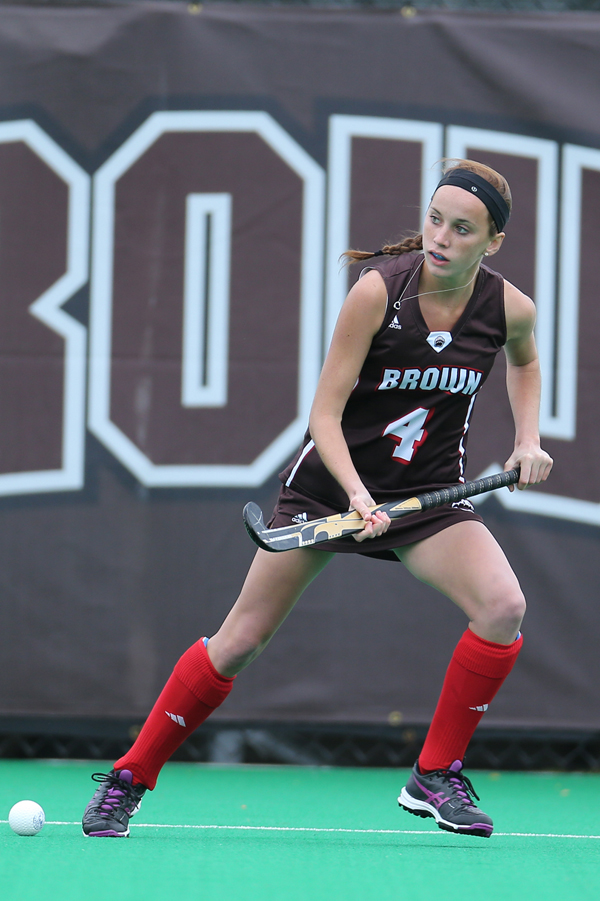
point(409, 432)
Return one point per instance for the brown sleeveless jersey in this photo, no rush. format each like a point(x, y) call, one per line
point(407, 419)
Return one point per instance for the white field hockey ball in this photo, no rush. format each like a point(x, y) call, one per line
point(26, 818)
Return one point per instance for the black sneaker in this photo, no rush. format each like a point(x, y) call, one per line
point(446, 795)
point(115, 801)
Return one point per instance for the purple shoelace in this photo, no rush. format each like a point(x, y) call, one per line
point(113, 799)
point(462, 784)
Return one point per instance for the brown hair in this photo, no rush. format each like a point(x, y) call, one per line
point(415, 241)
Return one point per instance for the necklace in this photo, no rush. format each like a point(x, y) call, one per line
point(398, 303)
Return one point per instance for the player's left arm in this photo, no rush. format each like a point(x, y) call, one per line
point(523, 382)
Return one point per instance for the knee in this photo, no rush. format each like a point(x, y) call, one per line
point(514, 608)
point(505, 611)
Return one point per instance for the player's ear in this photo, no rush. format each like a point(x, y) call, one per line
point(494, 245)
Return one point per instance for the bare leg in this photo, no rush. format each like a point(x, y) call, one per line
point(466, 563)
point(273, 585)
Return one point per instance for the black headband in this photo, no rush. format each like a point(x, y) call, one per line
point(487, 193)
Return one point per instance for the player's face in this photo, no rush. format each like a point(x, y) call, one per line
point(457, 233)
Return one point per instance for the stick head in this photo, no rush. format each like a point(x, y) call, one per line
point(255, 525)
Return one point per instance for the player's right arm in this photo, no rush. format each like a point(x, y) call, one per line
point(360, 319)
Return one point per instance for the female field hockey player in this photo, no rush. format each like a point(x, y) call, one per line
point(415, 340)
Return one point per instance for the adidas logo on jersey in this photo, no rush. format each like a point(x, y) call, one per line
point(176, 718)
point(394, 323)
point(300, 517)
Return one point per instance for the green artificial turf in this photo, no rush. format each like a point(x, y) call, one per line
point(299, 834)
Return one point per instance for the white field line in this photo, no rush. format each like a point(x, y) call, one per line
point(335, 830)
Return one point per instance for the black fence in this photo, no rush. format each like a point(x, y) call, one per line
point(301, 744)
point(407, 8)
point(404, 6)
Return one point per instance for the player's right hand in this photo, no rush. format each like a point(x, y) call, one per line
point(376, 523)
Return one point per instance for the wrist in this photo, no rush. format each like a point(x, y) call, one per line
point(527, 441)
point(361, 501)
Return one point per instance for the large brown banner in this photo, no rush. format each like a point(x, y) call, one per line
point(176, 186)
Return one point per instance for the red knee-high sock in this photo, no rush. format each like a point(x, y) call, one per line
point(193, 690)
point(475, 673)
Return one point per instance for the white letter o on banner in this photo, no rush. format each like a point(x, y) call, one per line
point(205, 325)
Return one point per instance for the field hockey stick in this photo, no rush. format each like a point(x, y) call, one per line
point(306, 534)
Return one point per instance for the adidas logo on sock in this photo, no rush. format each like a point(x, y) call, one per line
point(481, 709)
point(176, 718)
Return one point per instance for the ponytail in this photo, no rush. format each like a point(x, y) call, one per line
point(408, 245)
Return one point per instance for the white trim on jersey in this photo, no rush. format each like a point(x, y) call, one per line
point(461, 446)
point(306, 451)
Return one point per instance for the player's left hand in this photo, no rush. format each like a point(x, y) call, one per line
point(535, 465)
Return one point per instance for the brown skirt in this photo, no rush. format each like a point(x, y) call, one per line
point(401, 532)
